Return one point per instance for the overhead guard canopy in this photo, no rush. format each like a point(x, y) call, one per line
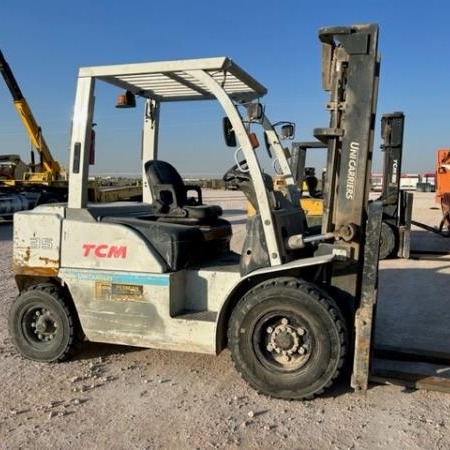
point(170, 81)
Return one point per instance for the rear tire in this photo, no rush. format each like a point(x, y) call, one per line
point(43, 325)
point(388, 241)
point(287, 339)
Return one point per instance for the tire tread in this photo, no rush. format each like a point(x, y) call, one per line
point(325, 301)
point(56, 293)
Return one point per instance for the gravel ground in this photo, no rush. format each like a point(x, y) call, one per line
point(120, 397)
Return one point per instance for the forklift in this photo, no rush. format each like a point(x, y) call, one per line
point(293, 307)
point(397, 203)
point(311, 200)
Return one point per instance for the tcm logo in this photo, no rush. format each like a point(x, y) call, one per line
point(105, 251)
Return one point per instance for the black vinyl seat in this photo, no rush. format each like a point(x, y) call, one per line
point(178, 245)
point(170, 196)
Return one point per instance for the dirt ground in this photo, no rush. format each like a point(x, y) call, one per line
point(112, 397)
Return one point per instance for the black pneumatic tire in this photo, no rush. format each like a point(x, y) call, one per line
point(388, 241)
point(287, 339)
point(42, 324)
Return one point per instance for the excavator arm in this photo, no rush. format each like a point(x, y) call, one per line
point(50, 167)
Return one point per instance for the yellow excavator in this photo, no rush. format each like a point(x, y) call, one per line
point(48, 169)
point(24, 186)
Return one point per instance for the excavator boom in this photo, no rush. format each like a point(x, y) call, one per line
point(23, 186)
point(49, 165)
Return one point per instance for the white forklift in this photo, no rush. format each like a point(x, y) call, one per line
point(160, 273)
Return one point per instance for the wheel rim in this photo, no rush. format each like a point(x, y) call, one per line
point(39, 326)
point(283, 341)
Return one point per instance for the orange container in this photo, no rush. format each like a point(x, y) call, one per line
point(442, 173)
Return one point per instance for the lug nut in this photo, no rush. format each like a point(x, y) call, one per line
point(301, 331)
point(269, 330)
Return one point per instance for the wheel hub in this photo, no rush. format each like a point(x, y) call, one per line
point(43, 325)
point(286, 340)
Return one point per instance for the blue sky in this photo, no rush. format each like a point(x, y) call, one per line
point(45, 43)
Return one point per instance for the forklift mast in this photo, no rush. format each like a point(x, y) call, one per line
point(350, 71)
point(392, 134)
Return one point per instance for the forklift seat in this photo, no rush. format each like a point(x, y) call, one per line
point(179, 246)
point(170, 196)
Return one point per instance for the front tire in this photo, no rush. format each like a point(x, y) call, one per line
point(42, 324)
point(287, 339)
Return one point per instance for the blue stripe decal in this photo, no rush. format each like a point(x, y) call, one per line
point(116, 277)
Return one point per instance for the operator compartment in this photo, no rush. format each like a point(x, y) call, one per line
point(179, 230)
point(182, 230)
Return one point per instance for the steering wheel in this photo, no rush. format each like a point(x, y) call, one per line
point(235, 172)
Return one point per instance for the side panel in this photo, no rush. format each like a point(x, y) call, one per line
point(107, 246)
point(135, 309)
point(118, 307)
point(208, 289)
point(36, 243)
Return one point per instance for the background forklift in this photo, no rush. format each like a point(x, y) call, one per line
point(159, 273)
point(397, 203)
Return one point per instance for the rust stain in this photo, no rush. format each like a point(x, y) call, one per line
point(27, 256)
point(49, 260)
point(39, 271)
